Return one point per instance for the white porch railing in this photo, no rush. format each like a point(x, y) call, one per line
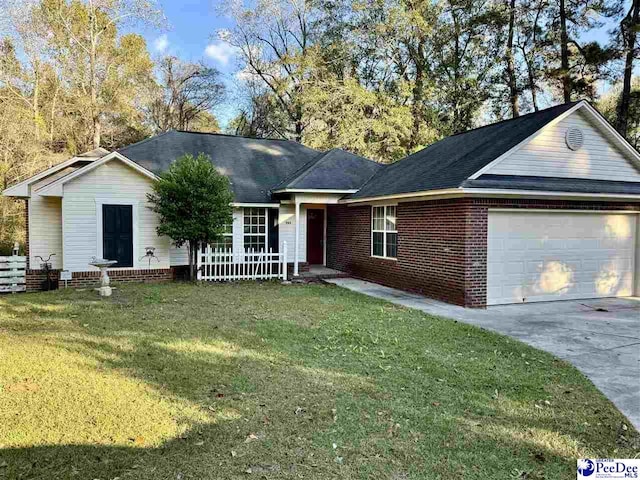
point(13, 273)
point(217, 264)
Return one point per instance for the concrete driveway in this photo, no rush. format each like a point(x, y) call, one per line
point(600, 337)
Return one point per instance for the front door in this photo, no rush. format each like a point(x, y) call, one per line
point(117, 234)
point(315, 236)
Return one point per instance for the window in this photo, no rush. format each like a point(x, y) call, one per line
point(384, 234)
point(225, 242)
point(255, 229)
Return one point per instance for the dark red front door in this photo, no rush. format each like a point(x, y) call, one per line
point(315, 236)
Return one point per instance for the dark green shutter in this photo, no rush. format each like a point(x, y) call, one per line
point(117, 234)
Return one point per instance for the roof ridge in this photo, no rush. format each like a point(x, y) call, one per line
point(152, 137)
point(356, 155)
point(220, 134)
point(506, 120)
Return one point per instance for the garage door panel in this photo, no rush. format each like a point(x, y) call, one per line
point(542, 256)
point(582, 243)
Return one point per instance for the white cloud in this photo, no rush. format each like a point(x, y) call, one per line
point(220, 52)
point(161, 43)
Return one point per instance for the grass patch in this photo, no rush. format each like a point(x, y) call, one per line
point(182, 381)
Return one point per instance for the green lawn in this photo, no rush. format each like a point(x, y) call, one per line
point(268, 381)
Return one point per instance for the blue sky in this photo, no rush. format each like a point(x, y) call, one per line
point(190, 35)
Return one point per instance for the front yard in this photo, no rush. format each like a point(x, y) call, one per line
point(266, 381)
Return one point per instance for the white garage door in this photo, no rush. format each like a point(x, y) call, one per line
point(542, 256)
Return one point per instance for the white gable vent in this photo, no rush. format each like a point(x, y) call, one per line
point(574, 138)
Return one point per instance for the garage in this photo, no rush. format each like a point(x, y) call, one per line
point(537, 256)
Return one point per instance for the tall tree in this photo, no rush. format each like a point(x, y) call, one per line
point(466, 42)
point(628, 33)
point(193, 201)
point(105, 65)
point(274, 41)
point(187, 94)
point(578, 66)
point(259, 114)
point(531, 43)
point(565, 74)
point(609, 106)
point(25, 74)
point(510, 61)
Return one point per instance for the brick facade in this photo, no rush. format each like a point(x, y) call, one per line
point(35, 278)
point(442, 244)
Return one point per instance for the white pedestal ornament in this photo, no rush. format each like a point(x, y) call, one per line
point(102, 264)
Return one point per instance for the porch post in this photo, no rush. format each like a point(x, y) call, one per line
point(297, 243)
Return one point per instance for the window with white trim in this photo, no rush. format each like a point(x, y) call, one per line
point(384, 233)
point(255, 229)
point(225, 241)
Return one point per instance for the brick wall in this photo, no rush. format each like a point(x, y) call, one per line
point(35, 278)
point(431, 247)
point(442, 244)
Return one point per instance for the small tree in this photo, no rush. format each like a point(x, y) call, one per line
point(194, 203)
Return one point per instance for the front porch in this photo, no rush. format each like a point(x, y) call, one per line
point(319, 273)
point(310, 233)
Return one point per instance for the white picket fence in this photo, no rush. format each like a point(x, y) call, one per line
point(218, 265)
point(13, 274)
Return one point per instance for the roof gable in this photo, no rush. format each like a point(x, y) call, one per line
point(55, 189)
point(23, 189)
point(334, 170)
point(546, 153)
point(449, 162)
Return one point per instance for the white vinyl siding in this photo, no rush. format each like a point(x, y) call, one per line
point(178, 256)
point(115, 183)
point(45, 230)
point(547, 155)
point(541, 256)
point(45, 223)
point(287, 231)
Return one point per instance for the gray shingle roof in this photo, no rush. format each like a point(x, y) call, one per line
point(253, 166)
point(449, 162)
point(336, 169)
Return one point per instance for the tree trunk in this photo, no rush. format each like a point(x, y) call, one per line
point(193, 256)
point(418, 90)
point(531, 74)
point(36, 102)
point(417, 120)
point(97, 131)
point(564, 54)
point(511, 70)
point(93, 81)
point(299, 128)
point(457, 116)
point(629, 26)
point(54, 102)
